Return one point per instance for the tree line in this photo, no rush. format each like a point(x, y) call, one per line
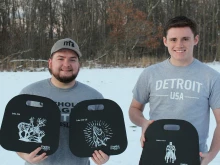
point(109, 32)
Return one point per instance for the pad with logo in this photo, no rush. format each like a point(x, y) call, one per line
point(170, 142)
point(97, 125)
point(29, 122)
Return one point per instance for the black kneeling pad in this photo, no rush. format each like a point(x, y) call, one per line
point(170, 142)
point(97, 125)
point(29, 122)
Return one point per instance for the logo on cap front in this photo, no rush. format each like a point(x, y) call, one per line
point(68, 43)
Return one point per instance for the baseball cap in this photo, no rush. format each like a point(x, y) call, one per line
point(66, 43)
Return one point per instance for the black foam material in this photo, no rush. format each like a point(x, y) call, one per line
point(29, 122)
point(170, 142)
point(97, 125)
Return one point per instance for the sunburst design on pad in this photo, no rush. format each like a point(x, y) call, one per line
point(97, 133)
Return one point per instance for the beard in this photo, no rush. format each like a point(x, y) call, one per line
point(64, 79)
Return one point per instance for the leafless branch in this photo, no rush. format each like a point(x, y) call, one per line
point(13, 54)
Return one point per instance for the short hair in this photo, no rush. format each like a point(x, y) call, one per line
point(181, 21)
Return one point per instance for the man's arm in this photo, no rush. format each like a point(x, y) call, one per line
point(136, 116)
point(33, 157)
point(215, 145)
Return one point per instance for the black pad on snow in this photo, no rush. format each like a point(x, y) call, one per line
point(170, 142)
point(97, 125)
point(29, 122)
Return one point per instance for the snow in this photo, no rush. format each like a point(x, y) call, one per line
point(115, 84)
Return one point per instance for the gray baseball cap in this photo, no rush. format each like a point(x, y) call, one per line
point(66, 43)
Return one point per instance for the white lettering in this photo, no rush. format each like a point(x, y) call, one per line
point(193, 86)
point(116, 147)
point(199, 85)
point(159, 84)
point(181, 96)
point(188, 85)
point(176, 96)
point(81, 119)
point(165, 84)
point(45, 148)
point(178, 84)
point(65, 116)
point(172, 83)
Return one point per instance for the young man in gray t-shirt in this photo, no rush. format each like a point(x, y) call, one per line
point(66, 92)
point(180, 87)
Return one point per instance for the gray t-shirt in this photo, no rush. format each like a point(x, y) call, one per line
point(66, 99)
point(185, 93)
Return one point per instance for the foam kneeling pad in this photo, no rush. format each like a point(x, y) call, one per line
point(97, 125)
point(170, 142)
point(29, 122)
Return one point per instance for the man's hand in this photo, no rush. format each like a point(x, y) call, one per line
point(144, 128)
point(136, 116)
point(99, 157)
point(33, 157)
point(206, 158)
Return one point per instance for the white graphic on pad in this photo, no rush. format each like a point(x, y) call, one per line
point(30, 133)
point(170, 153)
point(97, 133)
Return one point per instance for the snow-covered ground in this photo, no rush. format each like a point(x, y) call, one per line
point(114, 84)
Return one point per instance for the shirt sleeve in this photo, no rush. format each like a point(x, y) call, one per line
point(214, 99)
point(141, 88)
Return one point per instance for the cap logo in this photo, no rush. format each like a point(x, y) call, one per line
point(68, 43)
